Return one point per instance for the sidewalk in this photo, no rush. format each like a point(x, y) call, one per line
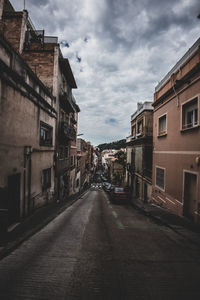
point(180, 225)
point(34, 223)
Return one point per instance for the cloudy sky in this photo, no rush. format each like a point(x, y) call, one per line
point(118, 50)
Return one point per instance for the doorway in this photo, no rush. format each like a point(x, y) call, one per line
point(190, 195)
point(14, 198)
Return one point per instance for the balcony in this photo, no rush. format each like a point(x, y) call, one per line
point(67, 102)
point(37, 36)
point(139, 134)
point(130, 138)
point(63, 164)
point(141, 107)
point(66, 132)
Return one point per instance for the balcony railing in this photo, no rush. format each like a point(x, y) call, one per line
point(66, 102)
point(67, 132)
point(37, 36)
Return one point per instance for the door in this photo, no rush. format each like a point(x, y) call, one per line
point(190, 195)
point(14, 198)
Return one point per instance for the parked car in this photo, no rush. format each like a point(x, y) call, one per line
point(107, 186)
point(119, 194)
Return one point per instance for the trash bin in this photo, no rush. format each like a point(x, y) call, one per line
point(3, 224)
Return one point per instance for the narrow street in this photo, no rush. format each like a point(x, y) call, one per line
point(99, 250)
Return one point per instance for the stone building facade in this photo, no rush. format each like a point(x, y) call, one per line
point(139, 152)
point(27, 137)
point(43, 55)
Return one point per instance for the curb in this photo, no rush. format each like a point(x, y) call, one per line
point(11, 246)
point(164, 223)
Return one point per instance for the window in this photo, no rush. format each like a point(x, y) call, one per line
point(140, 128)
point(45, 134)
point(162, 125)
point(46, 178)
point(160, 177)
point(77, 182)
point(72, 160)
point(190, 114)
point(134, 131)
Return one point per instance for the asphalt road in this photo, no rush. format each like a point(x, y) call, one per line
point(99, 250)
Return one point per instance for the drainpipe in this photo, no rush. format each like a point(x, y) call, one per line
point(27, 156)
point(24, 189)
point(176, 96)
point(29, 183)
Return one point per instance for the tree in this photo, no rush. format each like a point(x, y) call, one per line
point(121, 158)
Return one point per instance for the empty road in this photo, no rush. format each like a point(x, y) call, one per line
point(99, 250)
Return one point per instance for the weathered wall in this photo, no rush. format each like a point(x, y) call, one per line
point(41, 61)
point(176, 151)
point(11, 27)
point(20, 116)
point(138, 159)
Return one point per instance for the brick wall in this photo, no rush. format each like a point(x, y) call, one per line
point(11, 28)
point(41, 61)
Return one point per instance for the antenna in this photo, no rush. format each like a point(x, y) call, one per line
point(24, 4)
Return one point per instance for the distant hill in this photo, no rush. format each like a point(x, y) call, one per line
point(113, 145)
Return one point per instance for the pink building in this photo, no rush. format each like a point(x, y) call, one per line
point(176, 137)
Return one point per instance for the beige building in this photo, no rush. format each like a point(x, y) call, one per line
point(27, 137)
point(43, 55)
point(139, 152)
point(176, 130)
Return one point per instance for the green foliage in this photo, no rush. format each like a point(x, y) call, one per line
point(117, 179)
point(121, 158)
point(113, 145)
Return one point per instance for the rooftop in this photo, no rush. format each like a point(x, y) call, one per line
point(178, 65)
point(147, 105)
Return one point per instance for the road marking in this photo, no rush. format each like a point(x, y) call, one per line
point(121, 226)
point(114, 214)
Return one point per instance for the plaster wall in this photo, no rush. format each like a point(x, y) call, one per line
point(20, 127)
point(177, 150)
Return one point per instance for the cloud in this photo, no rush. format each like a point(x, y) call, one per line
point(118, 51)
point(111, 121)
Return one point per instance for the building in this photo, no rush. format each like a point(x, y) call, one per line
point(73, 158)
point(116, 172)
point(139, 152)
point(27, 137)
point(43, 55)
point(82, 149)
point(114, 165)
point(176, 129)
point(90, 161)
